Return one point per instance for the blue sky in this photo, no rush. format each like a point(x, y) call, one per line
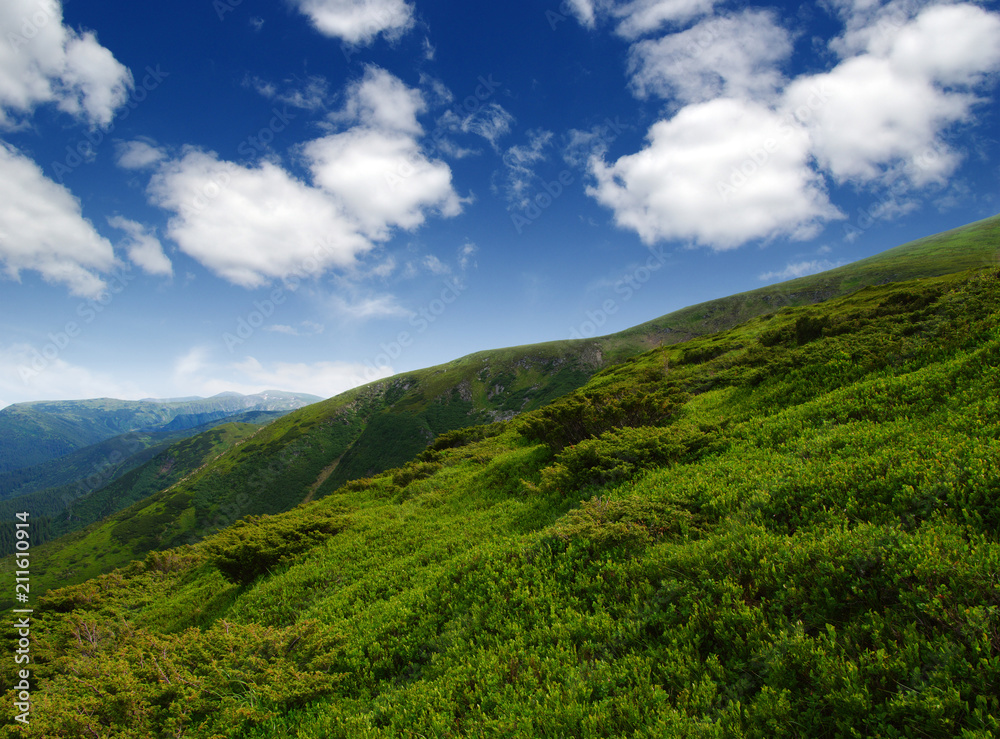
point(308, 195)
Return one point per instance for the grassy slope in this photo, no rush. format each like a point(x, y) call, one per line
point(786, 529)
point(311, 452)
point(49, 488)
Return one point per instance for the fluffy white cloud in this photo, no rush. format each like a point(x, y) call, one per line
point(583, 10)
point(376, 169)
point(730, 56)
point(43, 61)
point(746, 156)
point(358, 21)
point(138, 155)
point(886, 108)
point(142, 247)
point(42, 228)
point(719, 173)
point(254, 224)
point(949, 44)
point(382, 101)
point(382, 179)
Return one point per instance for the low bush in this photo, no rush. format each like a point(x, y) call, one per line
point(250, 547)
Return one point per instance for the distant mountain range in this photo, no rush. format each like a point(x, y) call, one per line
point(36, 432)
point(46, 470)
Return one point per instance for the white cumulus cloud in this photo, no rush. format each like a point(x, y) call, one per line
point(726, 56)
point(747, 152)
point(252, 224)
point(42, 228)
point(358, 21)
point(142, 247)
point(719, 174)
point(42, 61)
point(886, 107)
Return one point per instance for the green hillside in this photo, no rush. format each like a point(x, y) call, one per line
point(48, 490)
point(785, 529)
point(75, 557)
point(313, 451)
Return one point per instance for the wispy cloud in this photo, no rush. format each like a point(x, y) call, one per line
point(492, 122)
point(799, 269)
point(312, 93)
point(305, 328)
point(519, 166)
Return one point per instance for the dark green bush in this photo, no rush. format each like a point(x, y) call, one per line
point(618, 455)
point(462, 437)
point(251, 546)
point(584, 415)
point(414, 471)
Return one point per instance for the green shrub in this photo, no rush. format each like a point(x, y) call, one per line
point(587, 414)
point(619, 455)
point(251, 546)
point(465, 436)
point(414, 471)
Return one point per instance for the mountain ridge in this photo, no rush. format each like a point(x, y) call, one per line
point(37, 431)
